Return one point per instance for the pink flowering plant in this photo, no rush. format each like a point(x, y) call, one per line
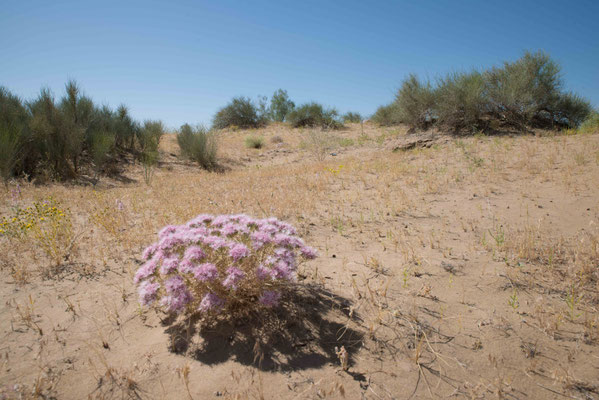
point(220, 264)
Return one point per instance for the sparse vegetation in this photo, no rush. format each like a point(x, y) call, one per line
point(280, 106)
point(591, 124)
point(429, 255)
point(352, 117)
point(44, 138)
point(198, 144)
point(313, 115)
point(254, 142)
point(520, 94)
point(387, 115)
point(241, 112)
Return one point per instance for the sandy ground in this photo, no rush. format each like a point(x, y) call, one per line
point(464, 270)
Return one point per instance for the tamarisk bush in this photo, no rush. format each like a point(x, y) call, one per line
point(220, 265)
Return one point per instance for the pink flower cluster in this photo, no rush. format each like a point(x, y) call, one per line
point(214, 261)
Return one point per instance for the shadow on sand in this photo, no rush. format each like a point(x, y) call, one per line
point(301, 333)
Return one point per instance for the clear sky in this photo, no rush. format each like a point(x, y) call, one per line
point(180, 61)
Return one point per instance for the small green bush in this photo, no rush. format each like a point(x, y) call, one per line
point(387, 115)
point(102, 145)
point(56, 139)
point(254, 142)
point(352, 117)
point(198, 144)
point(520, 94)
point(314, 115)
point(240, 112)
point(571, 110)
point(280, 105)
point(149, 136)
point(415, 101)
point(13, 126)
point(459, 102)
point(591, 124)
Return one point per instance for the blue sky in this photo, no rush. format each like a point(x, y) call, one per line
point(180, 61)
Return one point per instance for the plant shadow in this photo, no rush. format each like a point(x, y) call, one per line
point(303, 332)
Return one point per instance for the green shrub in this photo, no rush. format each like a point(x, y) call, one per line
point(240, 112)
point(519, 91)
point(102, 145)
point(198, 144)
point(352, 117)
point(149, 135)
point(280, 105)
point(52, 135)
point(527, 92)
point(314, 115)
point(125, 128)
point(591, 124)
point(346, 142)
point(55, 139)
point(460, 102)
point(13, 129)
point(571, 110)
point(415, 101)
point(254, 142)
point(387, 115)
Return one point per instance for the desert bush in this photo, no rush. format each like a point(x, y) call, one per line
point(277, 139)
point(46, 127)
point(314, 115)
point(102, 144)
point(148, 137)
point(318, 142)
point(387, 115)
point(254, 142)
point(45, 137)
point(527, 92)
point(518, 91)
point(591, 124)
point(570, 110)
point(45, 222)
point(77, 112)
point(198, 144)
point(352, 117)
point(227, 265)
point(240, 112)
point(13, 125)
point(280, 105)
point(125, 128)
point(415, 101)
point(460, 101)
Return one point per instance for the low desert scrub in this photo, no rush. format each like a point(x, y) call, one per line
point(254, 142)
point(224, 266)
point(198, 144)
point(314, 115)
point(60, 139)
point(47, 225)
point(352, 117)
point(241, 112)
point(318, 142)
point(149, 139)
point(387, 115)
point(110, 217)
point(280, 106)
point(591, 124)
point(521, 94)
point(277, 139)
